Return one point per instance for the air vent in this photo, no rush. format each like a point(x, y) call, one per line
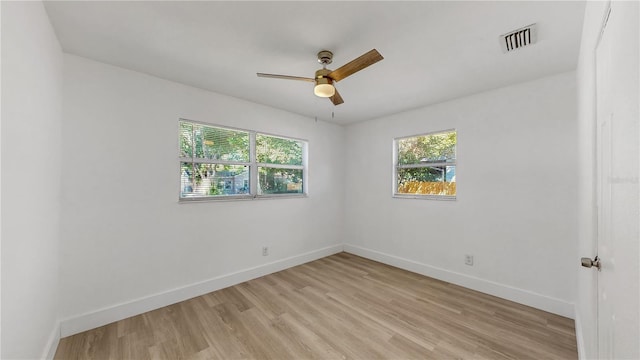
point(519, 38)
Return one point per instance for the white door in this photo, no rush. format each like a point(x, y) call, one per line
point(618, 201)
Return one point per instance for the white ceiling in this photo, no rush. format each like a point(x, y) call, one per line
point(434, 50)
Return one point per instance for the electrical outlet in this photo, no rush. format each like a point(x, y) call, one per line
point(265, 251)
point(468, 260)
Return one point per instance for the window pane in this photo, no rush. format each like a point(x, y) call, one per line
point(198, 180)
point(431, 180)
point(427, 148)
point(186, 139)
point(279, 181)
point(186, 179)
point(275, 150)
point(220, 144)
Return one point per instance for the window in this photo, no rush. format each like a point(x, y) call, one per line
point(218, 162)
point(425, 166)
point(280, 169)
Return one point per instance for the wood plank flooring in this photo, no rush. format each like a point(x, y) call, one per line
point(339, 307)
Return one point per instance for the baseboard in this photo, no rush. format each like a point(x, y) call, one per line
point(538, 301)
point(117, 312)
point(579, 336)
point(52, 344)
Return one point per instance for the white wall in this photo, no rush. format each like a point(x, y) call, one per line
point(516, 200)
point(127, 238)
point(31, 123)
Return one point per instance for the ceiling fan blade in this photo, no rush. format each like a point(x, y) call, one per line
point(286, 77)
point(336, 99)
point(356, 65)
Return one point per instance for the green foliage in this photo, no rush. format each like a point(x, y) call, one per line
point(213, 190)
point(279, 181)
point(222, 144)
point(186, 139)
point(428, 174)
point(427, 148)
point(274, 150)
point(207, 142)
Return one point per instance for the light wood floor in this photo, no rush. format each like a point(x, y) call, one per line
point(342, 306)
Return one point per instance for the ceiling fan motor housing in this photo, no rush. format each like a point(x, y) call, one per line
point(322, 74)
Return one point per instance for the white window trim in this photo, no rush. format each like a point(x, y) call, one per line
point(396, 166)
point(252, 164)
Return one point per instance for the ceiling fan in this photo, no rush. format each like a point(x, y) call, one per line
point(325, 78)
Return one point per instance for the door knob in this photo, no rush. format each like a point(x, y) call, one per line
point(587, 262)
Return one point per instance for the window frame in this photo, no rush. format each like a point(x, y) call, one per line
point(252, 166)
point(397, 166)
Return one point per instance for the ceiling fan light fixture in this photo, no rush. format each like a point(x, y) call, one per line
point(324, 88)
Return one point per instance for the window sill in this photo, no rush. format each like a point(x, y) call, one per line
point(240, 198)
point(426, 197)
